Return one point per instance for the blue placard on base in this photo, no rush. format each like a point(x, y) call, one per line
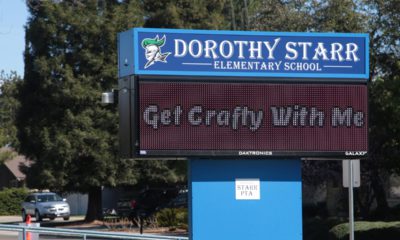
point(217, 214)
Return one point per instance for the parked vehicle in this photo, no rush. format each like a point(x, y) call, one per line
point(146, 203)
point(180, 201)
point(45, 205)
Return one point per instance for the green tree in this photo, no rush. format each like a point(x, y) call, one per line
point(384, 132)
point(382, 23)
point(278, 15)
point(70, 59)
point(338, 16)
point(8, 108)
point(383, 26)
point(205, 14)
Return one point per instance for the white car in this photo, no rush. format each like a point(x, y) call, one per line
point(45, 205)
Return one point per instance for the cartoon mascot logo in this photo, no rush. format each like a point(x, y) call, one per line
point(153, 53)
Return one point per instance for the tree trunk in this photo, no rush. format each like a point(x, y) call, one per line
point(94, 209)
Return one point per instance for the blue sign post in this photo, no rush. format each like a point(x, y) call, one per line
point(253, 195)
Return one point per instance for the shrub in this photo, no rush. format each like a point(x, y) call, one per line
point(11, 199)
point(173, 218)
point(367, 231)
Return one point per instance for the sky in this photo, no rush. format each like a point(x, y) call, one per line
point(13, 17)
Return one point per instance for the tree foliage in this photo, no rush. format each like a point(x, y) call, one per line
point(277, 15)
point(206, 14)
point(383, 26)
point(10, 200)
point(8, 108)
point(70, 59)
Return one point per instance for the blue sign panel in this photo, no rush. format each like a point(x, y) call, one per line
point(176, 52)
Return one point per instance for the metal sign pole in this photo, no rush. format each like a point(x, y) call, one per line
point(351, 202)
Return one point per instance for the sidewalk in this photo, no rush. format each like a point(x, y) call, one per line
point(18, 219)
point(10, 219)
point(15, 220)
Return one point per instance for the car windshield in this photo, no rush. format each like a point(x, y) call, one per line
point(49, 198)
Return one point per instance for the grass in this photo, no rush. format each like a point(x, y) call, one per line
point(367, 230)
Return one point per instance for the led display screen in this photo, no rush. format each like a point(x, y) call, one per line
point(252, 119)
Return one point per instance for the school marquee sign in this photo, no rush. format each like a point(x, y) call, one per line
point(250, 119)
point(231, 93)
point(250, 54)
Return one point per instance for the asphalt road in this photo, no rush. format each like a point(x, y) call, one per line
point(18, 219)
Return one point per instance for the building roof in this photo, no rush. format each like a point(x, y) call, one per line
point(16, 163)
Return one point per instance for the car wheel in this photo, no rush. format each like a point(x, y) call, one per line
point(23, 216)
point(66, 218)
point(37, 216)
